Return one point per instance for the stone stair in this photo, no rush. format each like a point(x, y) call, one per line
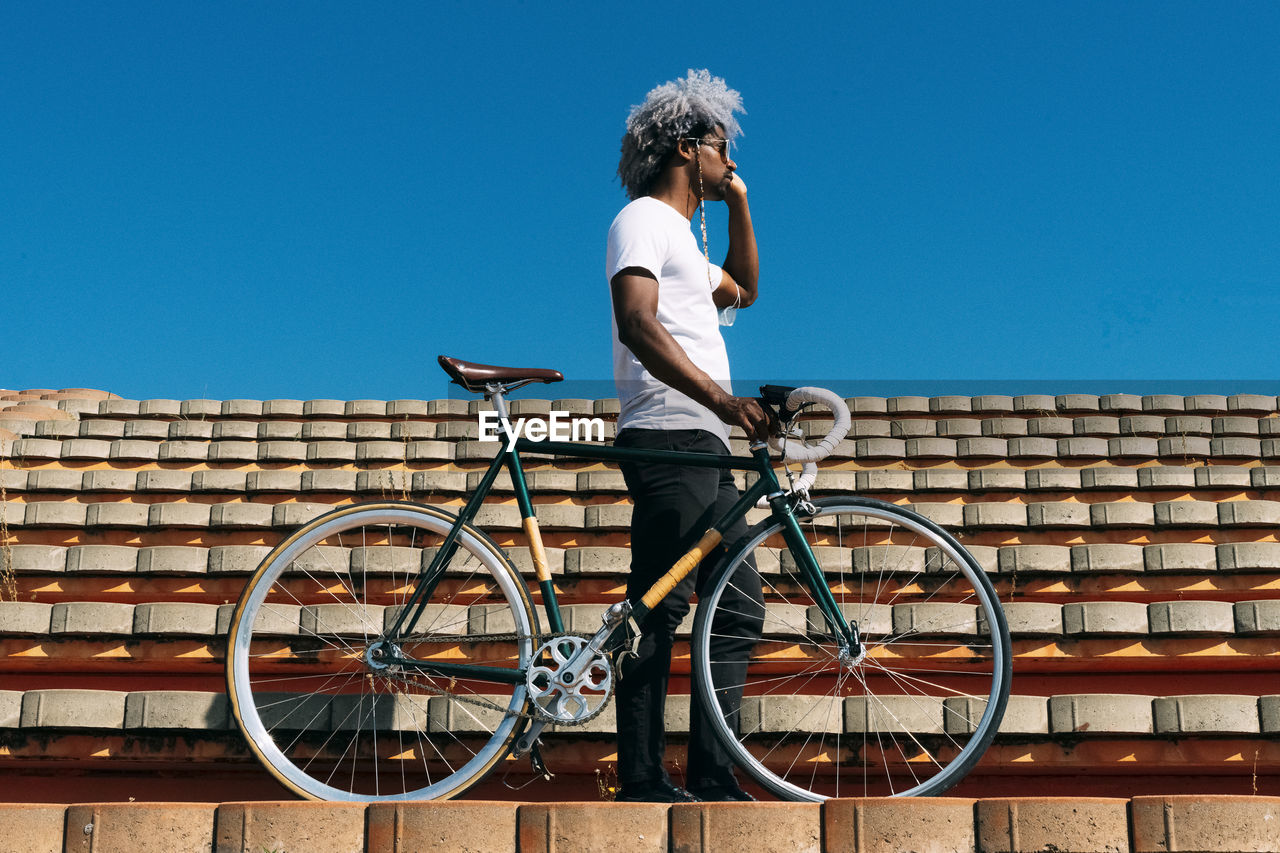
point(1133, 541)
point(1167, 824)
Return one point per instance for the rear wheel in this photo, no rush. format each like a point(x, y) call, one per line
point(907, 714)
point(314, 685)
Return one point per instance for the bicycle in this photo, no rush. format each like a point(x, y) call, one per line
point(416, 660)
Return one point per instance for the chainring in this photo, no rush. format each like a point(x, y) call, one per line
point(568, 704)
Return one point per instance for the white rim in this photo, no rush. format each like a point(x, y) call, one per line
point(248, 710)
point(960, 763)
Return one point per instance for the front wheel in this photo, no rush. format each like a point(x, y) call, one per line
point(907, 708)
point(325, 697)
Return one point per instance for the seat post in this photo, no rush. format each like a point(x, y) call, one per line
point(493, 391)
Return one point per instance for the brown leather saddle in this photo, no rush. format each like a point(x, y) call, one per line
point(474, 377)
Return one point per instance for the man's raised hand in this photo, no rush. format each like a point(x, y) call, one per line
point(736, 191)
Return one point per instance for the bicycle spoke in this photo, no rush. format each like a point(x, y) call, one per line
point(339, 718)
point(871, 719)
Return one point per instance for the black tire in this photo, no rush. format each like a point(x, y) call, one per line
point(913, 715)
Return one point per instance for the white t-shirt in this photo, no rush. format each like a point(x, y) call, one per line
point(652, 235)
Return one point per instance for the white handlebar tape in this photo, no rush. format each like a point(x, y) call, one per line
point(808, 473)
point(798, 451)
point(810, 454)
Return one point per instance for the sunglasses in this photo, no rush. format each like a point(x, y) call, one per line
point(717, 142)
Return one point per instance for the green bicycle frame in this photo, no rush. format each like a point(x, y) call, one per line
point(766, 486)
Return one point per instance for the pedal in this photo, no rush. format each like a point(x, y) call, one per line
point(539, 766)
point(630, 647)
point(633, 642)
point(539, 769)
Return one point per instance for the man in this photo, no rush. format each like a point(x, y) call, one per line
point(672, 373)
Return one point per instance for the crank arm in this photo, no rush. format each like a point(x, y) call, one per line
point(613, 617)
point(529, 739)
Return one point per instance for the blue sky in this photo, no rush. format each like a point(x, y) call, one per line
point(315, 199)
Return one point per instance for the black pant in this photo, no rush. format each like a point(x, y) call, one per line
point(673, 506)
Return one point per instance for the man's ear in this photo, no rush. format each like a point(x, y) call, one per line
point(685, 150)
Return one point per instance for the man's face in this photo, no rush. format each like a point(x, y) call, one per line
point(716, 165)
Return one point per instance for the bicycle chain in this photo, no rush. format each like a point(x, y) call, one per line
point(475, 699)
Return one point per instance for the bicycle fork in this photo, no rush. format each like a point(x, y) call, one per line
point(842, 627)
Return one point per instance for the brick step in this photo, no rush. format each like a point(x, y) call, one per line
point(986, 404)
point(1028, 449)
point(1163, 619)
point(225, 586)
point(1069, 824)
point(465, 425)
point(1224, 566)
point(1028, 405)
point(1039, 664)
point(186, 451)
point(553, 485)
point(160, 781)
point(240, 515)
point(1151, 485)
point(585, 768)
point(1104, 427)
point(117, 408)
point(330, 486)
point(553, 475)
point(202, 674)
point(1079, 717)
point(1198, 518)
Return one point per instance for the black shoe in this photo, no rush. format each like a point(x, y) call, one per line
point(655, 792)
point(724, 794)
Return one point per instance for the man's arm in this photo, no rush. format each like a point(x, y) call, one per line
point(635, 308)
point(742, 261)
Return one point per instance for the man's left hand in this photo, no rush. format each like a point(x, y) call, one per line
point(736, 192)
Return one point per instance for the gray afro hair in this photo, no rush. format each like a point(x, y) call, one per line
point(685, 107)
